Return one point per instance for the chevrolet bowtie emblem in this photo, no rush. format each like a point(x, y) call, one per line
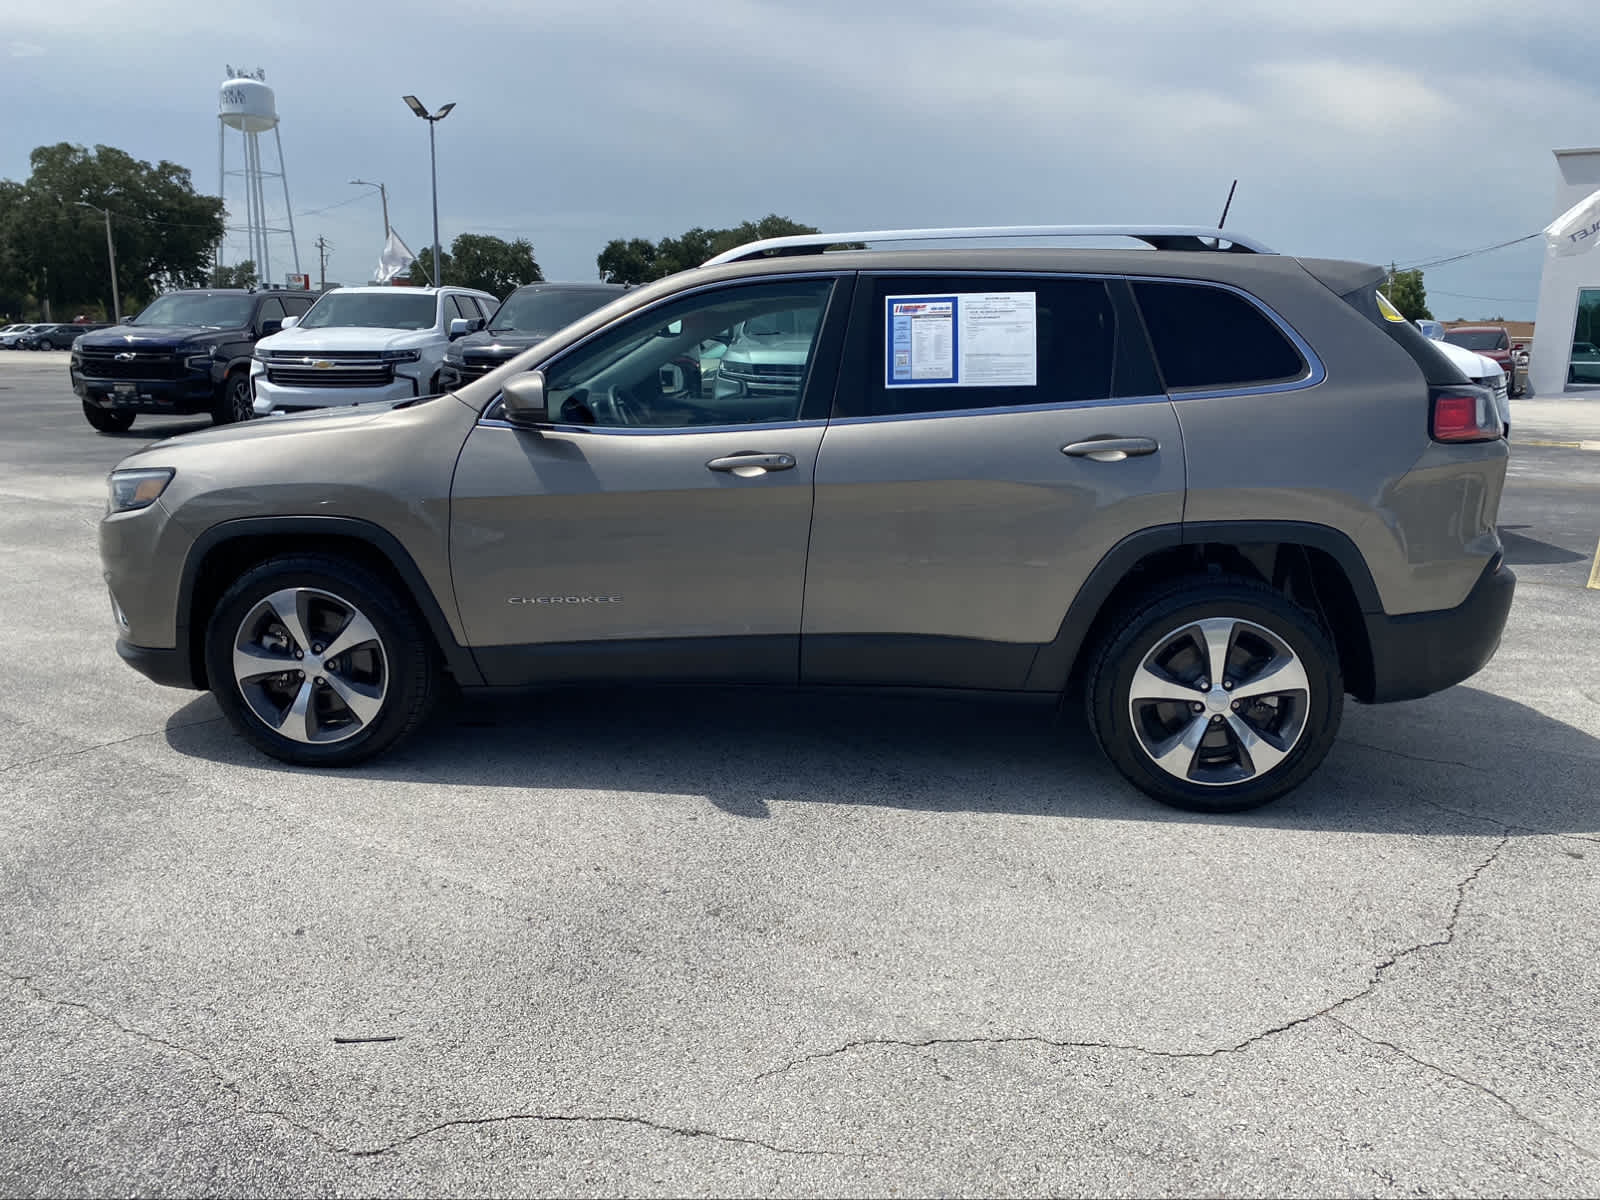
point(320, 364)
point(126, 356)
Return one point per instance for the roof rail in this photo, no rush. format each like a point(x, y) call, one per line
point(1159, 237)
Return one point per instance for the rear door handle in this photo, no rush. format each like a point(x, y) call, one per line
point(752, 463)
point(1112, 449)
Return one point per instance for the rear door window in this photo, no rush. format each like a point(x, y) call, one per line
point(1018, 340)
point(1209, 337)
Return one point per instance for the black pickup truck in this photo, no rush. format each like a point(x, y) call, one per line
point(189, 352)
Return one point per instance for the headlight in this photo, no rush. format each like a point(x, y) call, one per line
point(77, 342)
point(137, 488)
point(400, 355)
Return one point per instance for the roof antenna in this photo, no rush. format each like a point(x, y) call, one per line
point(1223, 220)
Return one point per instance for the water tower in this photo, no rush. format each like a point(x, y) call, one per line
point(246, 104)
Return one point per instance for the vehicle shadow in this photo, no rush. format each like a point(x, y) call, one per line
point(1414, 767)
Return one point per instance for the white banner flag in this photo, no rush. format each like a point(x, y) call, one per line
point(1577, 229)
point(396, 257)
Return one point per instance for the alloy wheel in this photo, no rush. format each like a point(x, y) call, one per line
point(1219, 701)
point(310, 665)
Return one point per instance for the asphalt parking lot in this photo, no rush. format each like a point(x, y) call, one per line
point(709, 942)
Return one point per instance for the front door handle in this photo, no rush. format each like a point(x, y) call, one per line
point(752, 463)
point(1112, 449)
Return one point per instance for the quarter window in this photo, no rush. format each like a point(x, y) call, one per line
point(1206, 337)
point(737, 356)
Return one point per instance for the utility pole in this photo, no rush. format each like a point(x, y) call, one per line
point(322, 256)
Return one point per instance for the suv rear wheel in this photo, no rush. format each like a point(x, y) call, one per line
point(319, 662)
point(1217, 695)
point(107, 420)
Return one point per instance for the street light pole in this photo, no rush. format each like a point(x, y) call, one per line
point(383, 194)
point(432, 119)
point(111, 253)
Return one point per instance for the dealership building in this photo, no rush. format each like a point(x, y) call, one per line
point(1566, 338)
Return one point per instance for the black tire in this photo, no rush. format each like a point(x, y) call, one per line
point(234, 402)
point(1232, 786)
point(411, 670)
point(107, 420)
point(46, 344)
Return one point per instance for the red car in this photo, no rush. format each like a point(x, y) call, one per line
point(1491, 341)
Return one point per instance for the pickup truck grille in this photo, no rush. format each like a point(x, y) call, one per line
point(129, 364)
point(477, 368)
point(341, 373)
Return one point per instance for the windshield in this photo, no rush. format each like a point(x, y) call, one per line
point(546, 312)
point(1477, 339)
point(219, 312)
point(372, 310)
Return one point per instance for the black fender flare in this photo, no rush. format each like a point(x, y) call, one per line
point(457, 657)
point(1053, 664)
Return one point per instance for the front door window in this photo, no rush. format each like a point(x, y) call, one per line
point(737, 356)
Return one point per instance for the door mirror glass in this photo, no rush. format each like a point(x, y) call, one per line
point(522, 399)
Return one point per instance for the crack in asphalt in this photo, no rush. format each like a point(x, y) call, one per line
point(1463, 886)
point(132, 737)
point(1442, 762)
point(1484, 1088)
point(1508, 827)
point(229, 1086)
point(687, 1131)
point(243, 1109)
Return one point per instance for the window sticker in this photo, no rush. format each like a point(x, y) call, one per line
point(974, 339)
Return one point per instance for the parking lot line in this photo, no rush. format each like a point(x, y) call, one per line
point(1594, 571)
point(1563, 445)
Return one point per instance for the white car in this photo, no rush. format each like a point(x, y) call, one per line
point(362, 345)
point(1482, 371)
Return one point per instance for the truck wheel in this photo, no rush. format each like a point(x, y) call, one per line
point(234, 403)
point(320, 662)
point(1216, 695)
point(107, 420)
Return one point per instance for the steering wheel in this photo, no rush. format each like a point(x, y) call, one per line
point(623, 410)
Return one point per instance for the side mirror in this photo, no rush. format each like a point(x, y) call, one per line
point(461, 326)
point(522, 399)
point(288, 323)
point(271, 326)
point(672, 381)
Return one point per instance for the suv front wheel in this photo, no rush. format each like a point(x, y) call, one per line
point(1217, 695)
point(234, 402)
point(319, 662)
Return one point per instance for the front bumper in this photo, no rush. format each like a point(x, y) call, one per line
point(168, 667)
point(192, 393)
point(268, 396)
point(1417, 654)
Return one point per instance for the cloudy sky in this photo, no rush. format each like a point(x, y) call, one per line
point(1389, 131)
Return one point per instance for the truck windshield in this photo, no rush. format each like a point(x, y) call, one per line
point(372, 310)
point(546, 312)
point(1476, 339)
point(216, 312)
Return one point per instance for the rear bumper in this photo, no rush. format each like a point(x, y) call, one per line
point(1421, 653)
point(167, 667)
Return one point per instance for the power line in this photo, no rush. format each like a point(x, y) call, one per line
point(1464, 296)
point(1452, 258)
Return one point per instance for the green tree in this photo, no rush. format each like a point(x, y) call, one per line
point(52, 241)
point(241, 275)
point(491, 264)
point(637, 260)
point(1405, 292)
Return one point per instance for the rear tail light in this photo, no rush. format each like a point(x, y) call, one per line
point(1464, 414)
